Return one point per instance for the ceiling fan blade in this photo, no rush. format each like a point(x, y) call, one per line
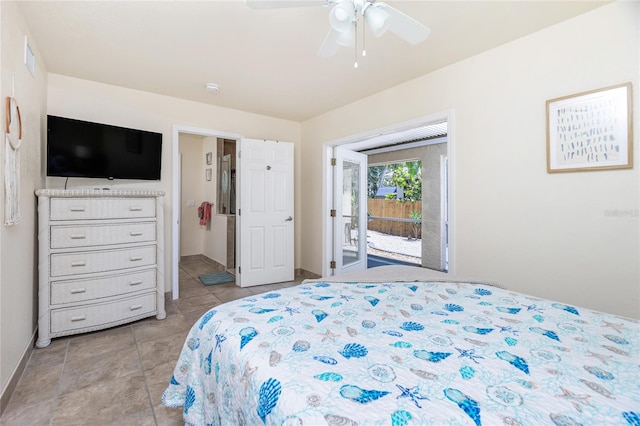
point(329, 45)
point(404, 26)
point(280, 4)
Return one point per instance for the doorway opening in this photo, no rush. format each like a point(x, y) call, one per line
point(424, 144)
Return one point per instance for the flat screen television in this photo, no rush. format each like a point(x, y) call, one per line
point(78, 148)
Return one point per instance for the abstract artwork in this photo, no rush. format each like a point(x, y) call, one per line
point(590, 130)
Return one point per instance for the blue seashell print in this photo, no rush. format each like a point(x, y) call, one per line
point(372, 300)
point(485, 304)
point(515, 360)
point(599, 373)
point(207, 363)
point(482, 292)
point(206, 317)
point(217, 371)
point(616, 339)
point(321, 298)
point(468, 405)
point(363, 396)
point(441, 313)
point(467, 372)
point(382, 373)
point(301, 346)
point(275, 318)
point(431, 356)
point(260, 310)
point(510, 341)
point(631, 417)
point(193, 343)
point(382, 290)
point(189, 399)
point(268, 397)
point(451, 291)
point(328, 377)
point(412, 326)
point(325, 359)
point(271, 296)
point(366, 286)
point(336, 304)
point(452, 307)
point(416, 307)
point(567, 308)
point(393, 333)
point(476, 330)
point(412, 287)
point(250, 300)
point(323, 285)
point(400, 418)
point(508, 310)
point(246, 335)
point(320, 315)
point(538, 318)
point(450, 321)
point(353, 350)
point(368, 324)
point(404, 345)
point(562, 420)
point(548, 333)
point(173, 380)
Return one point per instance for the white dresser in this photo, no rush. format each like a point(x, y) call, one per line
point(101, 259)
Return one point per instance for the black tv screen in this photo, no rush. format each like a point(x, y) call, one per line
point(78, 148)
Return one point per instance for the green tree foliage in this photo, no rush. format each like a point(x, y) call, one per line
point(408, 177)
point(373, 180)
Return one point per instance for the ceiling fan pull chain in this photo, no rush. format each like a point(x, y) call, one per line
point(355, 50)
point(364, 40)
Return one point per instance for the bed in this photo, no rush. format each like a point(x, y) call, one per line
point(405, 346)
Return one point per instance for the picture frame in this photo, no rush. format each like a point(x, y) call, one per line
point(209, 158)
point(590, 130)
point(208, 174)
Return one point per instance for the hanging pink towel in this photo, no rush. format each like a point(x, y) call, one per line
point(204, 213)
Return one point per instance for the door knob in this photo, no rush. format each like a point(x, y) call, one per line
point(289, 219)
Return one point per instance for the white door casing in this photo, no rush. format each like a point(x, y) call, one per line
point(350, 204)
point(265, 223)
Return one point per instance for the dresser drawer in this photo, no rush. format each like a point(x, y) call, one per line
point(97, 288)
point(101, 208)
point(65, 264)
point(63, 320)
point(67, 236)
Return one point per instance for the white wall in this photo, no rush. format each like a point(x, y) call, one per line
point(546, 234)
point(91, 101)
point(18, 257)
point(192, 185)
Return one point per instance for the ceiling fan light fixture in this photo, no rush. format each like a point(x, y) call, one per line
point(342, 16)
point(377, 20)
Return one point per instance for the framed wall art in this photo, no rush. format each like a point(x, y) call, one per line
point(590, 130)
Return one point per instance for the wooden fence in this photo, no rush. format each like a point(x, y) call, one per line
point(379, 209)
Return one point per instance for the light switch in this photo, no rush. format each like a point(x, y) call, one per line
point(191, 203)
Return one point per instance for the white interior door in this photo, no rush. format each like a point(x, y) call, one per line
point(350, 205)
point(265, 253)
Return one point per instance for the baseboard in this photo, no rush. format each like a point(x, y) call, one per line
point(7, 392)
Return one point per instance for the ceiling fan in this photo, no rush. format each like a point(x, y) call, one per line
point(346, 15)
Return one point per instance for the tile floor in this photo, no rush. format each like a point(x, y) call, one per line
point(116, 376)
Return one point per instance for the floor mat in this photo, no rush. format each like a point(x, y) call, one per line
point(216, 278)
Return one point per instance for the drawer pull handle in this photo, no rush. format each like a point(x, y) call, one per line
point(79, 263)
point(78, 290)
point(138, 282)
point(135, 208)
point(135, 307)
point(135, 259)
point(79, 318)
point(78, 236)
point(135, 234)
point(76, 209)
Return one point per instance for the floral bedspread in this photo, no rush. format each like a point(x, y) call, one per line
point(425, 353)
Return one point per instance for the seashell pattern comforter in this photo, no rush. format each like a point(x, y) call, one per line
point(407, 353)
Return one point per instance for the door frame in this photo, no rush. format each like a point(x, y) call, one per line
point(327, 181)
point(175, 202)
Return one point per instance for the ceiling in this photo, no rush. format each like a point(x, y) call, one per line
point(264, 61)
